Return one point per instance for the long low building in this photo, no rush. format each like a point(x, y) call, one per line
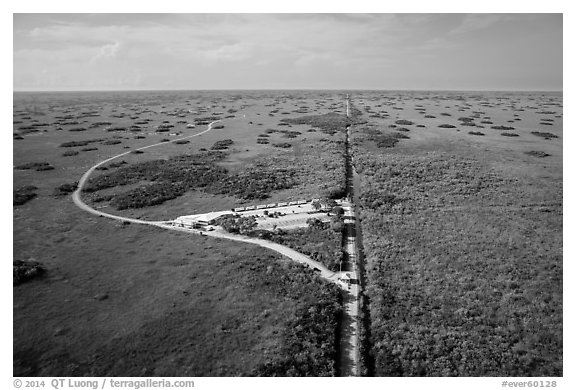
point(270, 205)
point(198, 220)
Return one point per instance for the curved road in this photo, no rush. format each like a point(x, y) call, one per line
point(284, 250)
point(80, 203)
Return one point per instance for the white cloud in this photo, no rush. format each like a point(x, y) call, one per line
point(473, 22)
point(107, 51)
point(235, 52)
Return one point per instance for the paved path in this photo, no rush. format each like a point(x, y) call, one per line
point(289, 252)
point(349, 356)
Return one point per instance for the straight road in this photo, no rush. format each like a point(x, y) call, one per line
point(349, 356)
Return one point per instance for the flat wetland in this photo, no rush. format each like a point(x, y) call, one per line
point(461, 210)
point(462, 228)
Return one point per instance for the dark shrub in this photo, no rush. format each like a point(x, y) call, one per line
point(79, 143)
point(544, 135)
point(23, 194)
point(112, 142)
point(284, 145)
point(45, 168)
point(26, 270)
point(65, 189)
point(221, 145)
point(537, 153)
point(39, 166)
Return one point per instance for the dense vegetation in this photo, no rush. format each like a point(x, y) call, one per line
point(71, 144)
point(461, 280)
point(499, 127)
point(65, 189)
point(330, 123)
point(381, 138)
point(309, 341)
point(284, 145)
point(537, 153)
point(23, 271)
point(23, 194)
point(171, 178)
point(38, 166)
point(255, 182)
point(544, 134)
point(237, 224)
point(198, 170)
point(221, 145)
point(322, 242)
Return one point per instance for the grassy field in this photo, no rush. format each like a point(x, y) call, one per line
point(131, 301)
point(461, 211)
point(463, 236)
point(127, 300)
point(46, 122)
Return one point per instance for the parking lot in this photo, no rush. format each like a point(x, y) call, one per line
point(285, 217)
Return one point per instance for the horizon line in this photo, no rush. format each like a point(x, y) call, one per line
point(286, 89)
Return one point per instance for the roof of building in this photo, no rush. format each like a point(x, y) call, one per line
point(206, 217)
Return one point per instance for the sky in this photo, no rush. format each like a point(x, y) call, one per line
point(57, 52)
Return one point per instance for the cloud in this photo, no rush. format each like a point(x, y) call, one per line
point(204, 50)
point(107, 51)
point(234, 52)
point(474, 22)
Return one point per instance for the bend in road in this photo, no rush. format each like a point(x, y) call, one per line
point(284, 250)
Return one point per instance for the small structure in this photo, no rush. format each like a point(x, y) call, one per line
point(346, 278)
